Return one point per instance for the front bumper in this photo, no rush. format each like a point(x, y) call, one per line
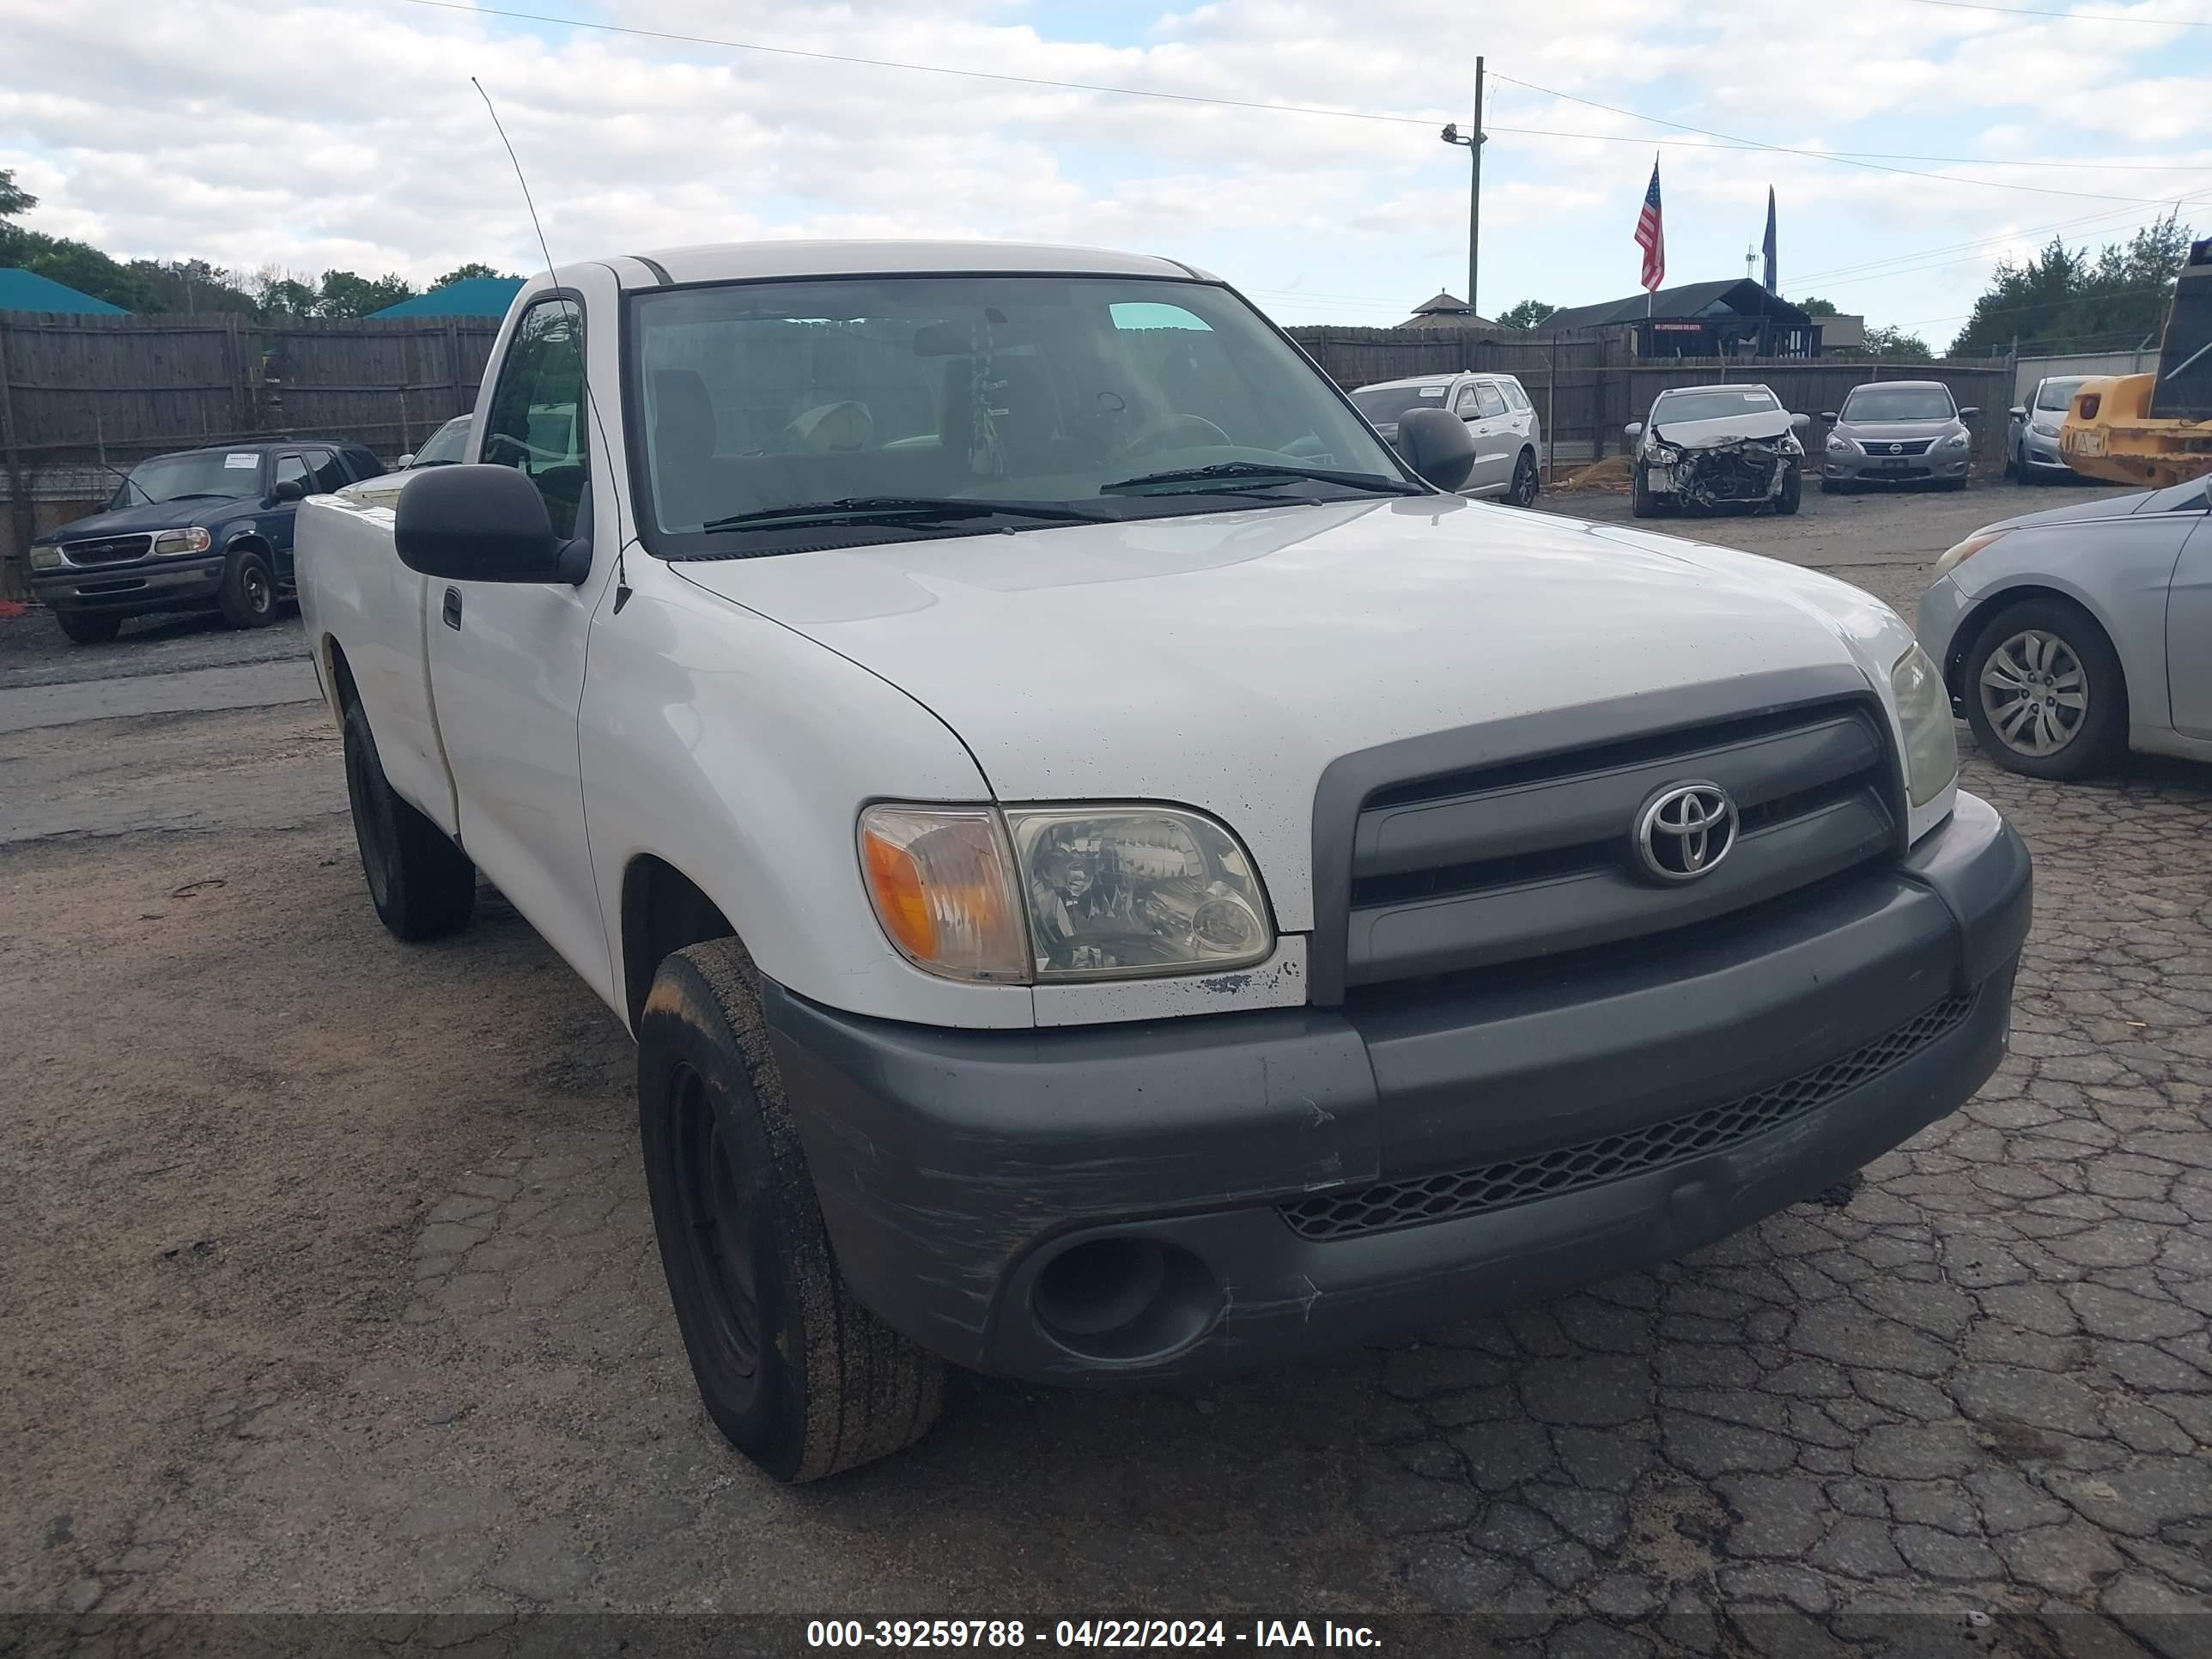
point(175, 584)
point(2039, 454)
point(1262, 1178)
point(1861, 468)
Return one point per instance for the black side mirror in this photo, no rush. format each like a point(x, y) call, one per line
point(484, 524)
point(1968, 412)
point(290, 489)
point(1436, 444)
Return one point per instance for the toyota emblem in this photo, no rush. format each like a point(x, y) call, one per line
point(1683, 831)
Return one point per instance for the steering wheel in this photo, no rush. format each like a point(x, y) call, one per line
point(1147, 437)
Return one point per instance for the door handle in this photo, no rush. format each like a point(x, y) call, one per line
point(453, 609)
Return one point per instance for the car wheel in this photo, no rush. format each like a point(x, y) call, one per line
point(1527, 483)
point(1641, 502)
point(2044, 692)
point(798, 1375)
point(248, 592)
point(421, 884)
point(89, 626)
point(1793, 492)
point(1955, 484)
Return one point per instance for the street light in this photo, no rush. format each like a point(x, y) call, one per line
point(1473, 140)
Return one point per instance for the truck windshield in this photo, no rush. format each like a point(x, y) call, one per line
point(1386, 404)
point(203, 472)
point(1898, 403)
point(836, 411)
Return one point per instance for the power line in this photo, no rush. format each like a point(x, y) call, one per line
point(1843, 158)
point(2070, 17)
point(1822, 154)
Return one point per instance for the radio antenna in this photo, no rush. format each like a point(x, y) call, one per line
point(583, 369)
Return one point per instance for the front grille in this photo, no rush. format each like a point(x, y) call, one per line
point(1900, 446)
point(106, 549)
point(1527, 857)
point(1489, 1186)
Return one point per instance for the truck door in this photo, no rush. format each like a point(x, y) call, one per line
point(2189, 633)
point(506, 659)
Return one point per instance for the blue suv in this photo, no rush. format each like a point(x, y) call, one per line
point(200, 528)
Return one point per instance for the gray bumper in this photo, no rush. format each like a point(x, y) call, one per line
point(1608, 1120)
point(1935, 465)
point(129, 589)
point(2041, 454)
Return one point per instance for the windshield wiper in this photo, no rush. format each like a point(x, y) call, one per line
point(1375, 482)
point(917, 509)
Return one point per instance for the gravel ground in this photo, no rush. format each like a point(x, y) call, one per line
point(330, 1286)
point(33, 650)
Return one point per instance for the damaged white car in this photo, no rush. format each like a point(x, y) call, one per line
point(1705, 446)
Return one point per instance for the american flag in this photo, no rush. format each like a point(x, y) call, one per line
point(1650, 237)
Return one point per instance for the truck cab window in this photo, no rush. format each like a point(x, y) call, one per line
point(537, 409)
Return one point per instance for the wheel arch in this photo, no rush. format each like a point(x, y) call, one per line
point(663, 910)
point(338, 675)
point(1991, 604)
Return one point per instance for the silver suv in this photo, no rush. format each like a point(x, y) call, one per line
point(1895, 432)
point(1509, 437)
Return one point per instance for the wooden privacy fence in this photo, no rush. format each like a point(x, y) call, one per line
point(1588, 387)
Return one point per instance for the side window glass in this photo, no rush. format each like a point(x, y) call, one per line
point(291, 469)
point(1515, 395)
point(1490, 402)
point(328, 474)
point(1464, 404)
point(537, 423)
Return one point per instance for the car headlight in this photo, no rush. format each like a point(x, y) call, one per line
point(1665, 454)
point(1956, 441)
point(45, 555)
point(193, 539)
point(1959, 552)
point(2048, 426)
point(1923, 714)
point(1039, 895)
point(1839, 445)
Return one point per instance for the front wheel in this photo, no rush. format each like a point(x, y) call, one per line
point(798, 1375)
point(421, 884)
point(1793, 492)
point(2044, 691)
point(248, 592)
point(1641, 502)
point(1527, 483)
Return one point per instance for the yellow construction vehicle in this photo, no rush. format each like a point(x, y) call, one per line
point(2155, 429)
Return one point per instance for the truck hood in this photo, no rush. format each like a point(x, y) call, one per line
point(1225, 660)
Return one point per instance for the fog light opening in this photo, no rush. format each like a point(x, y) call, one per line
point(1125, 1298)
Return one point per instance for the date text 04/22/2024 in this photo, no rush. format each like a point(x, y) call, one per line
point(1086, 1633)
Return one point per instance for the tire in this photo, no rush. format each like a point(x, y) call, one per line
point(1641, 502)
point(2020, 639)
point(798, 1376)
point(421, 884)
point(1954, 485)
point(1527, 483)
point(248, 592)
point(2022, 473)
point(89, 626)
point(1793, 493)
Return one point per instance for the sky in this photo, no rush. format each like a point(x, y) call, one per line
point(308, 135)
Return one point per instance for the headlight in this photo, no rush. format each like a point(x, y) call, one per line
point(1665, 454)
point(1923, 714)
point(45, 555)
point(192, 540)
point(1839, 445)
point(1062, 893)
point(1956, 441)
point(1959, 552)
point(2047, 425)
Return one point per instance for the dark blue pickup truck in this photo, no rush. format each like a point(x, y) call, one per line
point(202, 528)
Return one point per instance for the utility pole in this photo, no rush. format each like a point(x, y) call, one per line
point(1474, 140)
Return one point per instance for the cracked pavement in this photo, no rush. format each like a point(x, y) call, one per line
point(335, 1288)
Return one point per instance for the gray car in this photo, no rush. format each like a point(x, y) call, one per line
point(2066, 638)
point(2032, 436)
point(1897, 432)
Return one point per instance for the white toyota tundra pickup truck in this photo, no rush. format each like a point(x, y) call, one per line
point(1112, 869)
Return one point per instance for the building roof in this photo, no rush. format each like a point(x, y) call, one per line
point(26, 290)
point(1445, 311)
point(1739, 295)
point(472, 296)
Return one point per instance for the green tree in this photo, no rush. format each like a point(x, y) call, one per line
point(2064, 299)
point(1819, 307)
point(1526, 314)
point(13, 198)
point(342, 293)
point(474, 268)
point(1894, 345)
point(280, 294)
